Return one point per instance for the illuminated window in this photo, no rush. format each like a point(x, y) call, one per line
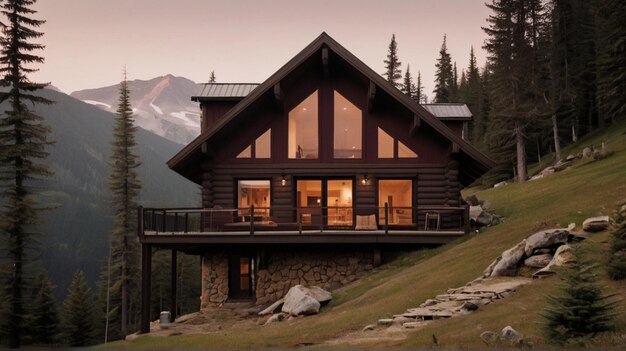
point(246, 153)
point(262, 147)
point(309, 201)
point(348, 128)
point(398, 194)
point(405, 152)
point(253, 192)
point(387, 146)
point(303, 137)
point(339, 201)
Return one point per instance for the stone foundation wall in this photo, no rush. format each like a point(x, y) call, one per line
point(327, 270)
point(214, 279)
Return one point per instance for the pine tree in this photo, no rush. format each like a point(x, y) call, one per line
point(443, 75)
point(471, 95)
point(419, 89)
point(23, 142)
point(611, 59)
point(392, 64)
point(212, 77)
point(617, 259)
point(408, 86)
point(454, 84)
point(77, 313)
point(125, 186)
point(580, 309)
point(45, 318)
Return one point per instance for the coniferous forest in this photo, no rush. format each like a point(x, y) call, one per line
point(555, 71)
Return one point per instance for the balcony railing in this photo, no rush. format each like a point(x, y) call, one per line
point(307, 220)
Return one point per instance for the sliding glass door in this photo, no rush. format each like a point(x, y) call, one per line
point(325, 201)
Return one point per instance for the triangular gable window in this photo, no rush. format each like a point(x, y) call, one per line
point(388, 147)
point(261, 148)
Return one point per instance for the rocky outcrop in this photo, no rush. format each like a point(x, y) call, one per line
point(478, 212)
point(562, 257)
point(546, 239)
point(298, 301)
point(538, 261)
point(507, 263)
point(597, 224)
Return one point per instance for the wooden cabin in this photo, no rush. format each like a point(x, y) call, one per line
point(310, 177)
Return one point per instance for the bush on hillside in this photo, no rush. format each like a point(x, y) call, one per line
point(581, 309)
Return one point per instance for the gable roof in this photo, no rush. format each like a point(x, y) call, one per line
point(324, 40)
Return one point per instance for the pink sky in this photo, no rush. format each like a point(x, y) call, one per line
point(88, 42)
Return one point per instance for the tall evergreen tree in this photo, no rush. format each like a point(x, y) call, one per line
point(443, 75)
point(77, 313)
point(454, 84)
point(45, 319)
point(23, 142)
point(392, 64)
point(471, 95)
point(419, 89)
point(611, 59)
point(212, 77)
point(408, 87)
point(125, 187)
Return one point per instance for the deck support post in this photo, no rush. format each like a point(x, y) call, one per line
point(386, 218)
point(466, 219)
point(146, 275)
point(173, 285)
point(251, 219)
point(377, 259)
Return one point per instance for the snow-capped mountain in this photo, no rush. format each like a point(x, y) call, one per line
point(161, 105)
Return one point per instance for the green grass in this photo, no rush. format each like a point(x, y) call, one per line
point(584, 190)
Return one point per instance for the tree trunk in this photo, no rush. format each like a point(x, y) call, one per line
point(124, 309)
point(555, 133)
point(521, 154)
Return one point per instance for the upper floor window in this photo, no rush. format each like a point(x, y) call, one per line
point(347, 128)
point(303, 129)
point(389, 147)
point(261, 148)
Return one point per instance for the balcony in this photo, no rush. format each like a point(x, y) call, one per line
point(300, 225)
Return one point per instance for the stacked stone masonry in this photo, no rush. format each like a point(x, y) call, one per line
point(282, 270)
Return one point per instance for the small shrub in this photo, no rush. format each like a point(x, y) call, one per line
point(580, 309)
point(617, 260)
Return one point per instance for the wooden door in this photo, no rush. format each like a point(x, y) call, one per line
point(240, 277)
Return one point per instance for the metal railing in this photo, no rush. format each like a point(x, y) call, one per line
point(312, 219)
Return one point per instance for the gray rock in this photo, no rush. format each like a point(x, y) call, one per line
point(412, 325)
point(563, 256)
point(596, 224)
point(385, 321)
point(272, 308)
point(276, 318)
point(490, 338)
point(512, 335)
point(400, 320)
point(469, 306)
point(472, 200)
point(298, 302)
point(480, 216)
point(497, 185)
point(587, 152)
point(322, 296)
point(545, 238)
point(506, 264)
point(369, 327)
point(570, 158)
point(538, 261)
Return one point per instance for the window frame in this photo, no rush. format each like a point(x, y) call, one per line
point(414, 203)
point(236, 181)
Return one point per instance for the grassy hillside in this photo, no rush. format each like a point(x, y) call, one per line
point(584, 190)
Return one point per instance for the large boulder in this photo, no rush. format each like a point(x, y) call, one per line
point(545, 238)
point(506, 264)
point(596, 224)
point(563, 257)
point(302, 300)
point(538, 261)
point(480, 216)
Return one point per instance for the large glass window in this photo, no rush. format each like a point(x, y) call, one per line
point(309, 201)
point(348, 128)
point(339, 199)
point(263, 145)
point(303, 136)
point(261, 148)
point(398, 194)
point(253, 192)
point(387, 147)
